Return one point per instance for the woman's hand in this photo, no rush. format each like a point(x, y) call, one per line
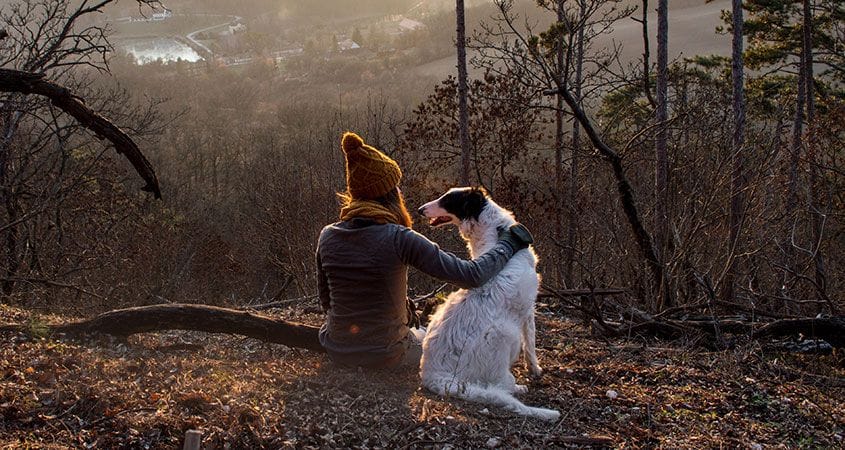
point(516, 236)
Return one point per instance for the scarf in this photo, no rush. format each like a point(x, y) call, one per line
point(368, 209)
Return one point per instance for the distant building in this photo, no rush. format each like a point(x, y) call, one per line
point(347, 44)
point(164, 15)
point(407, 24)
point(236, 28)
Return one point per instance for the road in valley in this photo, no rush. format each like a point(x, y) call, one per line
point(191, 35)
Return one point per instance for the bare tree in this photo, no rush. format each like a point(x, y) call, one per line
point(812, 201)
point(506, 45)
point(48, 53)
point(560, 118)
point(463, 121)
point(661, 178)
point(574, 162)
point(738, 179)
point(646, 75)
point(793, 183)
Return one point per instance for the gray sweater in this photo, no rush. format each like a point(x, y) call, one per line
point(362, 279)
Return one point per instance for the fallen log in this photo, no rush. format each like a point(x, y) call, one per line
point(831, 329)
point(210, 319)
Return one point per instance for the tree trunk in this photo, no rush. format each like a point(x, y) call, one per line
point(210, 319)
point(646, 57)
point(463, 112)
point(572, 206)
point(559, 135)
point(661, 179)
point(560, 54)
point(738, 180)
point(626, 192)
point(813, 201)
point(789, 263)
point(13, 258)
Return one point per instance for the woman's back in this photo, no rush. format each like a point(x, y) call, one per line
point(368, 282)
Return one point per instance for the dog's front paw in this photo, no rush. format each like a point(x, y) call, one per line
point(520, 389)
point(536, 372)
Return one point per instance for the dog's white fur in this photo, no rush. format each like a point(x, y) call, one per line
point(474, 338)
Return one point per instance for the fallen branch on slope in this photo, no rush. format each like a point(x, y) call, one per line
point(210, 319)
point(831, 329)
point(675, 323)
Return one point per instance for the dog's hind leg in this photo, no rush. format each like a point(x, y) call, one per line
point(529, 345)
point(508, 383)
point(500, 347)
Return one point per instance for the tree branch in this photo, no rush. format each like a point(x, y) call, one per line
point(626, 192)
point(210, 319)
point(34, 83)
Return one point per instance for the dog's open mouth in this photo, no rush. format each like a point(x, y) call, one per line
point(439, 220)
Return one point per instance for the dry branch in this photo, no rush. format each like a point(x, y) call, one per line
point(210, 319)
point(674, 323)
point(552, 292)
point(626, 192)
point(34, 83)
point(831, 329)
point(280, 303)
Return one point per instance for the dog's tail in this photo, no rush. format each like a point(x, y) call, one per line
point(448, 386)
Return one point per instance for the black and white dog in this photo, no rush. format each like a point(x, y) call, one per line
point(475, 337)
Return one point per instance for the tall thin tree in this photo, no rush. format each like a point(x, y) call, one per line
point(661, 181)
point(572, 200)
point(738, 177)
point(793, 183)
point(560, 58)
point(463, 111)
point(813, 200)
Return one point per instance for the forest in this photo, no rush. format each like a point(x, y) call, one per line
point(159, 219)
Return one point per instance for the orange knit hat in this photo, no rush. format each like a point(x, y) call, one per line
point(370, 174)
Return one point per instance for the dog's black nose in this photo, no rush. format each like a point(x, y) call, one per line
point(421, 211)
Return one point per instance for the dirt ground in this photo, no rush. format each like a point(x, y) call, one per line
point(240, 393)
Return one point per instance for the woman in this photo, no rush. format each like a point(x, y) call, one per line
point(362, 264)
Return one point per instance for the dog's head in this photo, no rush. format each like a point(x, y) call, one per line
point(455, 206)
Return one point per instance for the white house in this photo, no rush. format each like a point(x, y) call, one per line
point(347, 44)
point(407, 24)
point(237, 28)
point(164, 15)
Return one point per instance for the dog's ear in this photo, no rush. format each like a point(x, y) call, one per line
point(481, 190)
point(475, 201)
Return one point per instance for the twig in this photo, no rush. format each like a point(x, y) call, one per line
point(553, 292)
point(582, 440)
point(278, 303)
point(121, 412)
point(431, 294)
point(405, 430)
point(423, 441)
point(711, 298)
point(47, 282)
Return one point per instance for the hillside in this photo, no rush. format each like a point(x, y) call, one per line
point(241, 393)
point(692, 31)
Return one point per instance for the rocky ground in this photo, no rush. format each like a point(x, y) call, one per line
point(240, 393)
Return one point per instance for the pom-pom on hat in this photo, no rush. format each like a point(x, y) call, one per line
point(370, 174)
